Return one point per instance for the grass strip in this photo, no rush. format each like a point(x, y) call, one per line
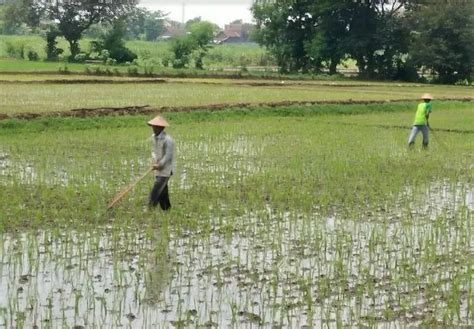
point(230, 113)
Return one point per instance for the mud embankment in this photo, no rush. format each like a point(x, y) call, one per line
point(146, 110)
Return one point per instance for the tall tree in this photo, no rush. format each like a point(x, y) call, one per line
point(284, 27)
point(202, 33)
point(443, 39)
point(327, 47)
point(196, 41)
point(305, 34)
point(154, 25)
point(113, 42)
point(376, 38)
point(18, 12)
point(73, 17)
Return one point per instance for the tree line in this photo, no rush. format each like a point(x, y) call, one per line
point(387, 39)
point(110, 22)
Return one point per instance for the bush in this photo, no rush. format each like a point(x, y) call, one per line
point(406, 71)
point(113, 43)
point(64, 70)
point(52, 52)
point(122, 55)
point(33, 55)
point(166, 60)
point(81, 57)
point(15, 49)
point(110, 61)
point(132, 71)
point(104, 55)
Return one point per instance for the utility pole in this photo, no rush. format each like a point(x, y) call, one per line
point(183, 13)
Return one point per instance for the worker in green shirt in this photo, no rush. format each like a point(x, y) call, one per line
point(421, 121)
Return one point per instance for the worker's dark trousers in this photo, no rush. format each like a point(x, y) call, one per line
point(159, 193)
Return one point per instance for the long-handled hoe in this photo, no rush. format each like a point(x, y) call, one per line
point(124, 192)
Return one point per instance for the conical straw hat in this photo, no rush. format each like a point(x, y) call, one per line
point(158, 121)
point(426, 96)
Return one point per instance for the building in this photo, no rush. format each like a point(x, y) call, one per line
point(235, 32)
point(172, 30)
point(228, 37)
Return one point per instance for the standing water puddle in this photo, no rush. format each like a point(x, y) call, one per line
point(264, 268)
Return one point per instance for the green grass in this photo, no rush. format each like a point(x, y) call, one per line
point(390, 115)
point(153, 53)
point(15, 65)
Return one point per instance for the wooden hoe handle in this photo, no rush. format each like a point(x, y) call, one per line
point(119, 196)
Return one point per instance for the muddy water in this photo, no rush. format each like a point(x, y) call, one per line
point(261, 269)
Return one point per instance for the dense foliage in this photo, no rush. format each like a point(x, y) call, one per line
point(70, 18)
point(387, 39)
point(113, 45)
point(195, 43)
point(443, 39)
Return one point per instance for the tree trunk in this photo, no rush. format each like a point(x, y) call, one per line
point(74, 48)
point(333, 66)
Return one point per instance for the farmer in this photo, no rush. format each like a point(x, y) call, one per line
point(162, 153)
point(421, 121)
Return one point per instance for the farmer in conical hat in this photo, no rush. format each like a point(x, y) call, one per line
point(421, 123)
point(162, 153)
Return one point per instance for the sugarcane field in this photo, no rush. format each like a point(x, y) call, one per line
point(285, 172)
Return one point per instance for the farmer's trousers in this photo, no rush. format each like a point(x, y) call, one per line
point(415, 130)
point(159, 193)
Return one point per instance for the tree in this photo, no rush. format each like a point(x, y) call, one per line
point(443, 39)
point(284, 28)
point(16, 13)
point(154, 25)
point(197, 42)
point(377, 40)
point(113, 42)
point(52, 51)
point(73, 17)
point(310, 35)
point(328, 45)
point(202, 34)
point(182, 48)
point(192, 21)
point(145, 24)
point(136, 23)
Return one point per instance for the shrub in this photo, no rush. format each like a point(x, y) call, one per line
point(32, 55)
point(122, 55)
point(52, 52)
point(113, 43)
point(132, 71)
point(15, 49)
point(81, 57)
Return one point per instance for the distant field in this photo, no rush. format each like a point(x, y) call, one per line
point(50, 97)
point(153, 52)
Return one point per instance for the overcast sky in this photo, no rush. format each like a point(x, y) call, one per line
point(217, 11)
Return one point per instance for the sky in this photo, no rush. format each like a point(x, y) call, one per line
point(220, 12)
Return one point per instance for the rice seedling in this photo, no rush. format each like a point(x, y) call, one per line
point(40, 97)
point(277, 220)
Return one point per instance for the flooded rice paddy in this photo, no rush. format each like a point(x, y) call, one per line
point(276, 222)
